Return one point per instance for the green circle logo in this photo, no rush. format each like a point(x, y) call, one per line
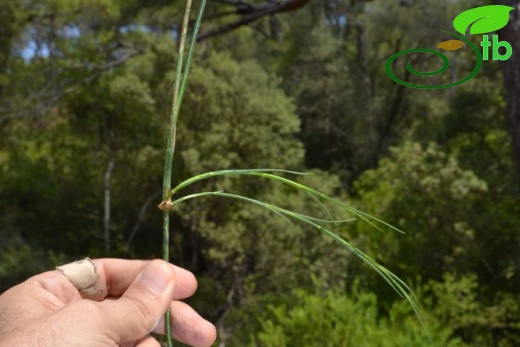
point(444, 67)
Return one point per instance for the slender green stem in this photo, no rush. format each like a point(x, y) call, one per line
point(170, 146)
point(170, 150)
point(190, 51)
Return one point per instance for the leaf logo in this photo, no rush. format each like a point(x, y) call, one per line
point(451, 45)
point(482, 20)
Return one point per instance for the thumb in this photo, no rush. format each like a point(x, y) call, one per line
point(135, 314)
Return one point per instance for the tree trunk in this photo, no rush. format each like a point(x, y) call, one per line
point(106, 218)
point(511, 69)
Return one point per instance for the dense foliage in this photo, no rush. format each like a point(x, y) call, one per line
point(85, 93)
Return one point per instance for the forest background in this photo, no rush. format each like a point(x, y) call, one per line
point(85, 90)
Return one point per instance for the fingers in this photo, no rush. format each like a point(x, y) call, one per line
point(118, 274)
point(188, 326)
point(140, 310)
point(115, 275)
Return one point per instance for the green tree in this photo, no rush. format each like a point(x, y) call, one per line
point(425, 192)
point(336, 319)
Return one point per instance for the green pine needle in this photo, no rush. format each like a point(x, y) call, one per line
point(265, 174)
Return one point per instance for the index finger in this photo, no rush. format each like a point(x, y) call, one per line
point(118, 274)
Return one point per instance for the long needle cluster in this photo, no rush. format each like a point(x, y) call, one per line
point(321, 225)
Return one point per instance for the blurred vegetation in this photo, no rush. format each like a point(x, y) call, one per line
point(85, 90)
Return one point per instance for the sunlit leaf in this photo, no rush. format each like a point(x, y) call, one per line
point(482, 20)
point(451, 45)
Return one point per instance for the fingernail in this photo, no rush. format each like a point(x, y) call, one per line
point(155, 276)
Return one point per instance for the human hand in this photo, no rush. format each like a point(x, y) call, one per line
point(48, 310)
